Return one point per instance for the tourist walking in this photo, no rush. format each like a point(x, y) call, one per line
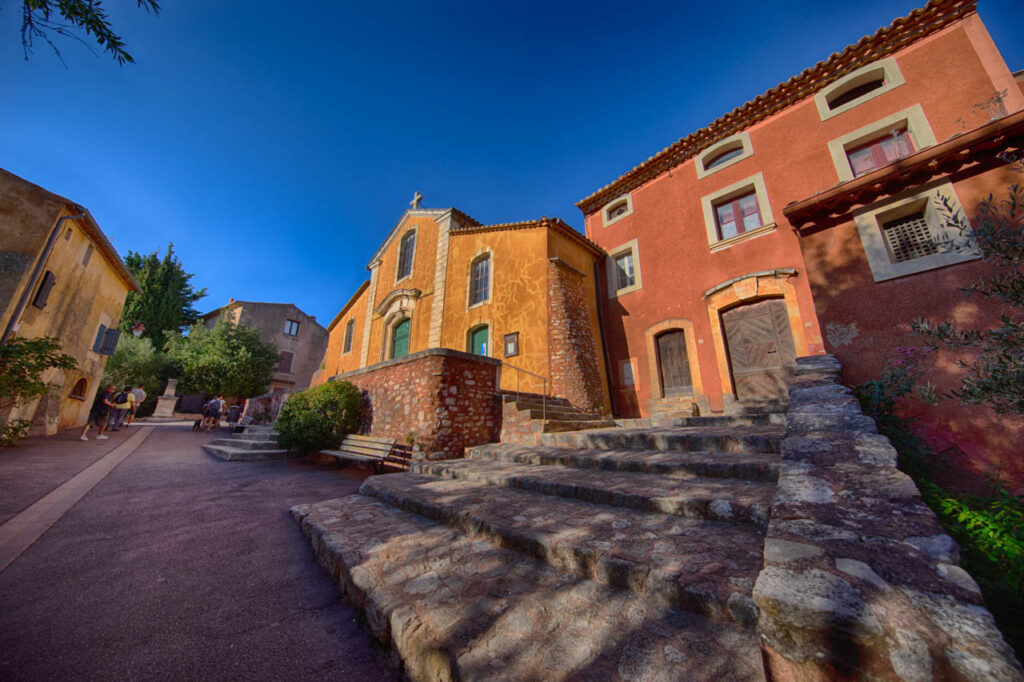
point(140, 394)
point(122, 405)
point(99, 413)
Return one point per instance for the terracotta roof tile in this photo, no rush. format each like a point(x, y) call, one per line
point(921, 22)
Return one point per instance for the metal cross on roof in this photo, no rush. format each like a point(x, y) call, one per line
point(416, 199)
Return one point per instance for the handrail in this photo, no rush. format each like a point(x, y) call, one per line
point(544, 394)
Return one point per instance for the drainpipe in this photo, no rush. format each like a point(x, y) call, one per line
point(34, 280)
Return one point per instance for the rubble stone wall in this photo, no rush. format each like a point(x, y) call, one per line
point(443, 400)
point(575, 373)
point(860, 582)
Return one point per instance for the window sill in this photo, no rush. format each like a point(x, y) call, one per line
point(742, 237)
point(80, 398)
point(477, 305)
point(626, 290)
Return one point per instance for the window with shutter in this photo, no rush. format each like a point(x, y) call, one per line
point(110, 339)
point(98, 343)
point(43, 293)
point(285, 366)
point(909, 237)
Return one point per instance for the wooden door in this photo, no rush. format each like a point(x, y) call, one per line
point(674, 364)
point(400, 340)
point(761, 350)
point(478, 341)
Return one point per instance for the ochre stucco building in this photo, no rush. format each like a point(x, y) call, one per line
point(521, 292)
point(59, 277)
point(299, 338)
point(807, 221)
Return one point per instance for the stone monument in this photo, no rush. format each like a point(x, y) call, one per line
point(165, 403)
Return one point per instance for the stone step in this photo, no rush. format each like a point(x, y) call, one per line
point(750, 467)
point(704, 566)
point(535, 399)
point(739, 439)
point(246, 443)
point(730, 500)
point(260, 429)
point(233, 454)
point(268, 437)
point(458, 609)
point(712, 420)
point(561, 425)
point(560, 413)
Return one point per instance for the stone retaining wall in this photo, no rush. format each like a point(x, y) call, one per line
point(860, 582)
point(445, 399)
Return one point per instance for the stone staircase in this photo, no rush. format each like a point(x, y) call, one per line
point(254, 444)
point(606, 554)
point(525, 416)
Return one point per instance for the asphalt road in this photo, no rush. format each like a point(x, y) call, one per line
point(177, 566)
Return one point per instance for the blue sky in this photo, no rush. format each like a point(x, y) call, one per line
point(277, 148)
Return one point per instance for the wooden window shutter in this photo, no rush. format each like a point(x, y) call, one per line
point(110, 339)
point(285, 366)
point(98, 343)
point(49, 279)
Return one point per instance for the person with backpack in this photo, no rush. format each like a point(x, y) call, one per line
point(140, 394)
point(98, 414)
point(122, 405)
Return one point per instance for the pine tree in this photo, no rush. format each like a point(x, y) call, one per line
point(165, 303)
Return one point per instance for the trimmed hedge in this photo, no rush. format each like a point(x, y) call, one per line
point(319, 418)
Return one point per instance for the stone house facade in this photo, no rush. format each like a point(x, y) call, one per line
point(806, 221)
point(521, 292)
point(59, 277)
point(298, 337)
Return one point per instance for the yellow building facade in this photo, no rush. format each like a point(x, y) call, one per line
point(59, 277)
point(522, 293)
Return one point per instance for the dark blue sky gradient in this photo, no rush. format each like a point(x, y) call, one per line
point(277, 147)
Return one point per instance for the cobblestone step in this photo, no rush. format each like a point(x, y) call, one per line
point(704, 566)
point(562, 425)
point(712, 421)
point(751, 467)
point(701, 498)
point(246, 443)
point(455, 608)
point(570, 413)
point(233, 454)
point(738, 439)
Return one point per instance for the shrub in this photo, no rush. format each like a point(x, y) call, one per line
point(319, 418)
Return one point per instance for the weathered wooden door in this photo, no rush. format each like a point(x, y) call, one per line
point(400, 340)
point(761, 350)
point(674, 364)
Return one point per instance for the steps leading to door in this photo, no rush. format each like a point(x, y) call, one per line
point(511, 544)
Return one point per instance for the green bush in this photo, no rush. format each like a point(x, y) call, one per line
point(320, 417)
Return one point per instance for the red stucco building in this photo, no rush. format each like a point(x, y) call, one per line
point(806, 221)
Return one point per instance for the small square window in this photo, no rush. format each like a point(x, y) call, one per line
point(511, 345)
point(291, 327)
point(617, 210)
point(880, 152)
point(625, 276)
point(738, 215)
point(909, 237)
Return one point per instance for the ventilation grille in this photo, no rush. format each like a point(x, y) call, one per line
point(909, 238)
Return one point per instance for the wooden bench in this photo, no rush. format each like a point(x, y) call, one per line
point(239, 426)
point(380, 452)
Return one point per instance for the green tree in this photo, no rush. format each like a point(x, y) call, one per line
point(165, 303)
point(136, 361)
point(995, 372)
point(42, 18)
point(22, 364)
point(228, 359)
point(319, 418)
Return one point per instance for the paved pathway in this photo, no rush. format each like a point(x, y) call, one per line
point(174, 566)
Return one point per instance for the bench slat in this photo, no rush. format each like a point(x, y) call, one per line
point(341, 454)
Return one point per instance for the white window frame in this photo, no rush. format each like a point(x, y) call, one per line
point(738, 141)
point(632, 247)
point(890, 71)
point(912, 118)
point(754, 183)
point(606, 209)
point(870, 219)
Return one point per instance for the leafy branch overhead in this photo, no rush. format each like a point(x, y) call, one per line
point(42, 18)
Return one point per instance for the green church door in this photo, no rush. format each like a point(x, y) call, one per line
point(400, 340)
point(478, 341)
